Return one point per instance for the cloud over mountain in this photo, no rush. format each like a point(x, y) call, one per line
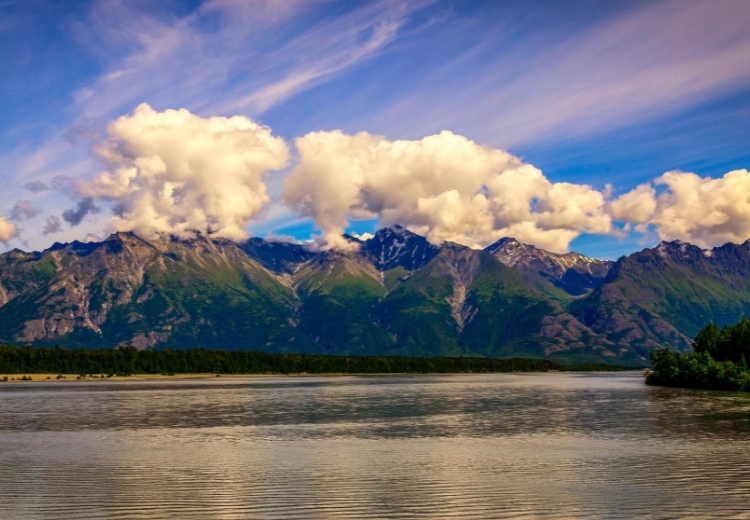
point(178, 173)
point(443, 186)
point(175, 172)
point(705, 211)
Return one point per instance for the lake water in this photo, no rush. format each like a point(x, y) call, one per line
point(419, 447)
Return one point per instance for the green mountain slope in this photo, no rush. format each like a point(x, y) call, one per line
point(661, 297)
point(466, 303)
point(337, 291)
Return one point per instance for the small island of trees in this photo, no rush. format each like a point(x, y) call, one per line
point(719, 360)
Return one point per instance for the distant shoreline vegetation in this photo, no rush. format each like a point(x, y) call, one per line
point(719, 361)
point(129, 361)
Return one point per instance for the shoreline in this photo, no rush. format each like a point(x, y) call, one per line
point(67, 378)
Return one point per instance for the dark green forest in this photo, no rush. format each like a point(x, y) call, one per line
point(719, 360)
point(129, 361)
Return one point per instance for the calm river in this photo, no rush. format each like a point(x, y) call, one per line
point(426, 447)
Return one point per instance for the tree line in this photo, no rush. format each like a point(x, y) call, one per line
point(130, 361)
point(719, 360)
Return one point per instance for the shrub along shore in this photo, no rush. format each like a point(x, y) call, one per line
point(129, 361)
point(719, 361)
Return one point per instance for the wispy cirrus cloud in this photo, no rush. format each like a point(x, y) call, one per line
point(631, 66)
point(327, 49)
point(228, 56)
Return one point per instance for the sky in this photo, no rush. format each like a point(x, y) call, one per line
point(598, 127)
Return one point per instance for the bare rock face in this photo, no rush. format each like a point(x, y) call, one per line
point(461, 265)
point(574, 273)
point(126, 290)
point(88, 281)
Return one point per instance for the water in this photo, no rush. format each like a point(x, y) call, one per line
point(416, 447)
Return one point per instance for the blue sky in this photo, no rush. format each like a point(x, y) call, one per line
point(588, 92)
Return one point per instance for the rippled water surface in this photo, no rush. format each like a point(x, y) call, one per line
point(424, 447)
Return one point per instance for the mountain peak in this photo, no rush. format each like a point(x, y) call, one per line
point(394, 230)
point(573, 272)
point(673, 243)
point(17, 254)
point(396, 246)
point(352, 239)
point(677, 249)
point(503, 243)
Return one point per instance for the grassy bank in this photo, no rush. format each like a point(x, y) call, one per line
point(129, 362)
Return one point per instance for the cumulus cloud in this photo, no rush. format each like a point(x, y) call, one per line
point(444, 186)
point(90, 237)
point(52, 226)
point(175, 172)
point(84, 207)
point(8, 230)
point(22, 210)
point(636, 206)
point(705, 211)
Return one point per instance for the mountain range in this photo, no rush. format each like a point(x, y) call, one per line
point(394, 293)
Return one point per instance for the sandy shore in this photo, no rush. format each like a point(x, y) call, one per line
point(47, 378)
point(53, 378)
point(18, 378)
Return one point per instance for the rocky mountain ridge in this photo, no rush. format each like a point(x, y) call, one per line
point(662, 296)
point(574, 273)
point(394, 293)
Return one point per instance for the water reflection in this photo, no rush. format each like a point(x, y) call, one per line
point(481, 446)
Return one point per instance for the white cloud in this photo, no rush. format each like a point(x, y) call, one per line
point(705, 211)
point(175, 172)
point(444, 186)
point(8, 230)
point(636, 206)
